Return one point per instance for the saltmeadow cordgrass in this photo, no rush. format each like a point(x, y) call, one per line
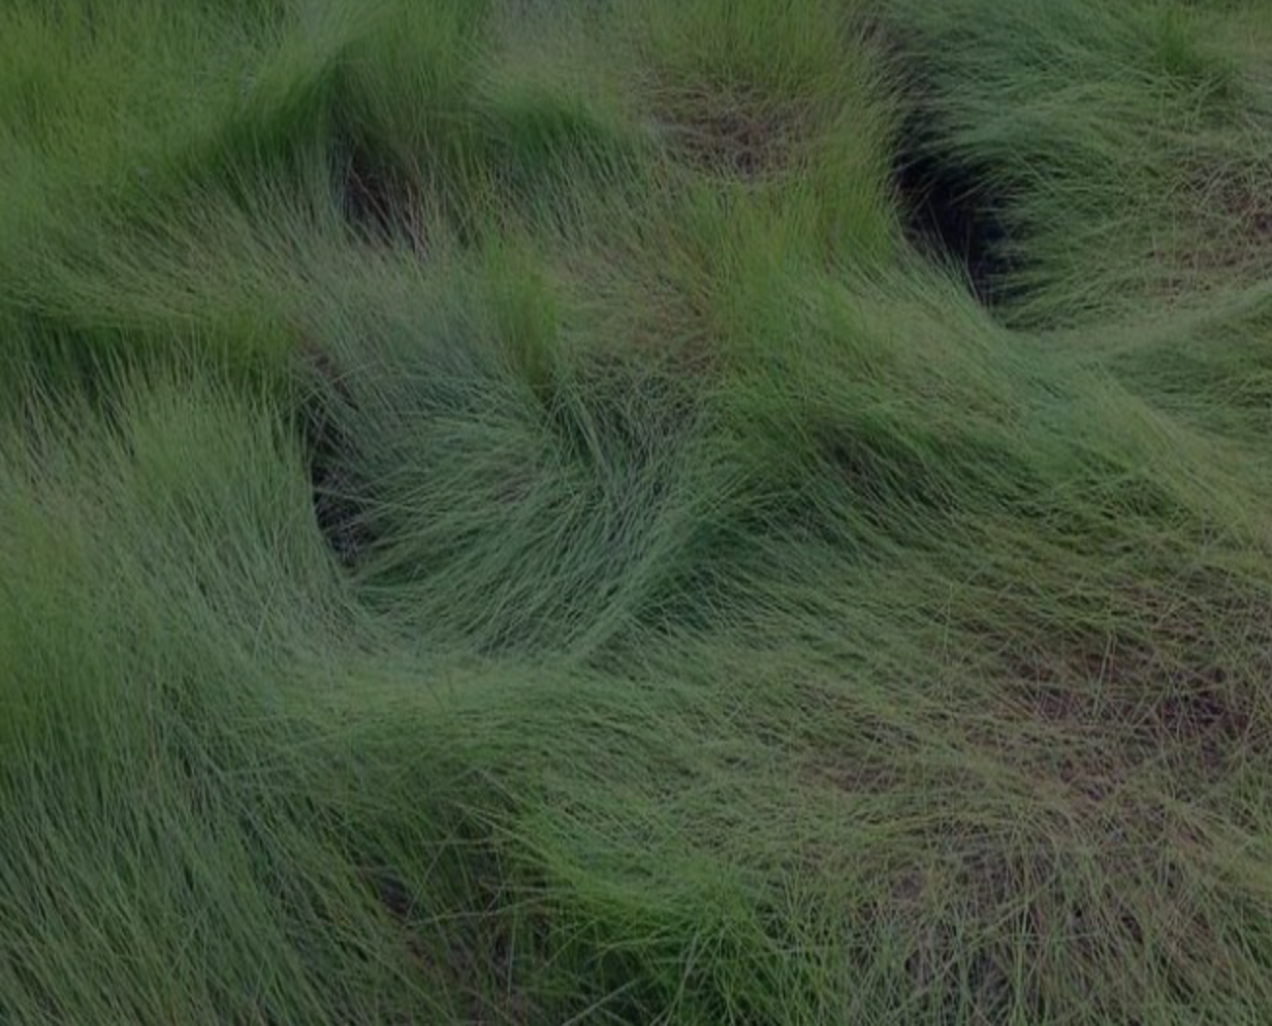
point(515, 512)
point(1125, 147)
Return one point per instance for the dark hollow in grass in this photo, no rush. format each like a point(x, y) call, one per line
point(952, 213)
point(340, 515)
point(378, 203)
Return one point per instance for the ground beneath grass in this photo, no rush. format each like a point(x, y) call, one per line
point(635, 512)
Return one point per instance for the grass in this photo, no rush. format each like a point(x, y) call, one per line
point(526, 513)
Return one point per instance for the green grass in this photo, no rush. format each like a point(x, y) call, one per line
point(1125, 145)
point(505, 520)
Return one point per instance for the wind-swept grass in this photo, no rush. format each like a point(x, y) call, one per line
point(1124, 146)
point(503, 523)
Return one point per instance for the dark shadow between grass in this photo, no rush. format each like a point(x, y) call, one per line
point(378, 204)
point(340, 515)
point(953, 213)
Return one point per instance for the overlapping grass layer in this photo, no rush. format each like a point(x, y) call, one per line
point(504, 520)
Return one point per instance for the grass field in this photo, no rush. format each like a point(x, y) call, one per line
point(636, 511)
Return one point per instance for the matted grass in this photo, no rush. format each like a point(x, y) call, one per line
point(510, 515)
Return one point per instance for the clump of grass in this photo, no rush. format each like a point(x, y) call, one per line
point(1122, 146)
point(488, 540)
